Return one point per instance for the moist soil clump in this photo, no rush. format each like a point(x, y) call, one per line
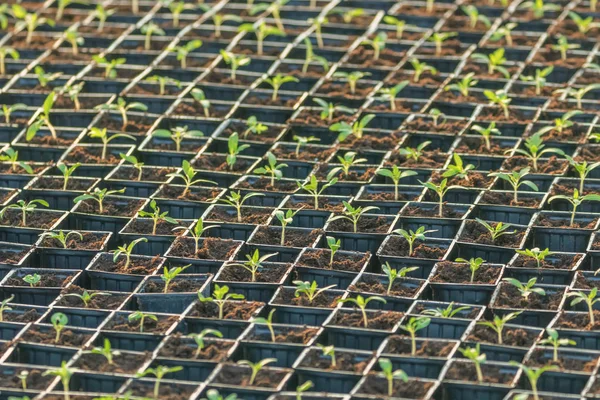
point(450, 272)
point(380, 320)
point(342, 262)
point(178, 346)
point(510, 297)
point(371, 284)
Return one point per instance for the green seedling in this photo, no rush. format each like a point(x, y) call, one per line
point(199, 339)
point(25, 207)
point(254, 264)
point(498, 323)
point(237, 201)
point(220, 296)
point(142, 317)
point(310, 290)
point(361, 302)
point(412, 236)
point(414, 325)
point(127, 251)
point(352, 214)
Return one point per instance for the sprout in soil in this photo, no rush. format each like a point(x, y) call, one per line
point(101, 14)
point(59, 321)
point(200, 97)
point(126, 250)
point(122, 107)
point(588, 299)
point(163, 81)
point(65, 374)
point(182, 52)
point(495, 62)
point(25, 207)
point(302, 141)
point(12, 157)
point(4, 14)
point(387, 369)
point(312, 57)
point(583, 169)
point(352, 78)
point(102, 134)
point(277, 81)
point(515, 180)
point(525, 289)
point(438, 38)
point(32, 279)
point(348, 15)
point(377, 44)
point(6, 110)
point(464, 85)
point(318, 23)
point(87, 297)
point(159, 373)
point(505, 32)
point(219, 19)
point(219, 297)
point(348, 161)
point(561, 123)
point(357, 128)
point(149, 30)
point(306, 386)
point(416, 153)
point(178, 134)
point(5, 307)
point(67, 172)
point(538, 8)
point(176, 8)
point(156, 216)
point(110, 67)
point(234, 149)
point(169, 275)
point(141, 316)
point(420, 68)
point(334, 245)
point(497, 229)
point(539, 79)
point(328, 110)
point(273, 8)
point(43, 120)
point(486, 133)
point(499, 98)
point(448, 312)
point(74, 39)
point(309, 290)
point(196, 232)
point(393, 274)
point(29, 21)
point(272, 168)
point(474, 265)
point(4, 52)
point(412, 236)
point(312, 187)
point(107, 352)
point(458, 169)
point(352, 214)
point(576, 200)
point(234, 61)
point(554, 341)
point(237, 201)
point(395, 174)
point(262, 31)
point(213, 394)
point(475, 16)
point(199, 339)
point(285, 219)
point(256, 367)
point(267, 321)
point(563, 46)
point(476, 357)
point(534, 374)
point(255, 127)
point(329, 351)
point(187, 175)
point(391, 93)
point(438, 117)
point(63, 4)
point(414, 325)
point(578, 94)
point(538, 255)
point(134, 163)
point(72, 90)
point(441, 191)
point(362, 303)
point(61, 237)
point(497, 325)
point(399, 24)
point(254, 264)
point(23, 375)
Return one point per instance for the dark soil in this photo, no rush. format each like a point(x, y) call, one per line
point(306, 153)
point(270, 273)
point(166, 392)
point(145, 226)
point(450, 272)
point(123, 363)
point(48, 336)
point(474, 232)
point(353, 262)
point(425, 348)
point(545, 221)
point(371, 284)
point(46, 182)
point(510, 297)
point(366, 224)
point(178, 346)
point(565, 261)
point(553, 166)
point(137, 265)
point(539, 358)
point(433, 212)
point(325, 299)
point(413, 389)
point(119, 208)
point(35, 380)
point(429, 159)
point(237, 310)
point(30, 315)
point(98, 302)
point(38, 220)
point(398, 247)
point(209, 249)
point(265, 184)
point(464, 371)
point(121, 323)
point(508, 198)
point(89, 241)
point(380, 320)
point(240, 376)
point(194, 194)
point(293, 238)
point(217, 162)
point(46, 281)
point(344, 361)
point(578, 321)
point(180, 284)
point(126, 172)
point(510, 336)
